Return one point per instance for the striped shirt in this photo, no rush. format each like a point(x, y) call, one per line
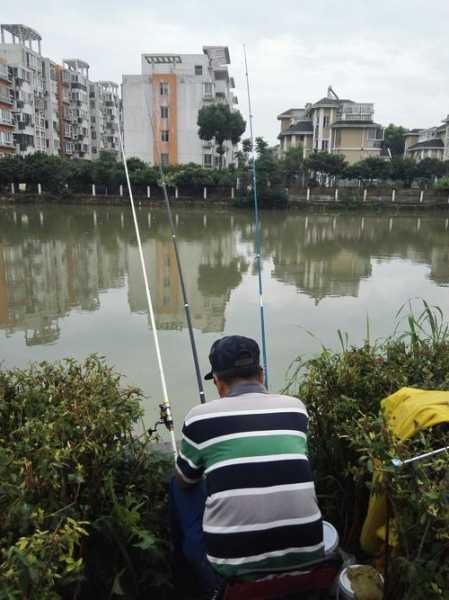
point(261, 511)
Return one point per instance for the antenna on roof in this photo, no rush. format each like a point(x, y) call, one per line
point(331, 93)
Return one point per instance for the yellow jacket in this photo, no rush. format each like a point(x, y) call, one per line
point(407, 411)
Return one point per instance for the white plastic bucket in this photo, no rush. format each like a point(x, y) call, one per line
point(344, 585)
point(345, 591)
point(330, 537)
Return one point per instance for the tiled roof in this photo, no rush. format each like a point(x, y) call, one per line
point(435, 143)
point(299, 127)
point(355, 123)
point(326, 102)
point(288, 112)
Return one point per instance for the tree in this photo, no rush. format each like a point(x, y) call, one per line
point(267, 166)
point(430, 168)
point(326, 163)
point(403, 169)
point(394, 139)
point(107, 170)
point(217, 122)
point(11, 169)
point(292, 163)
point(44, 169)
point(368, 169)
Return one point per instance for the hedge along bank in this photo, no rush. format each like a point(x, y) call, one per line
point(82, 496)
point(349, 438)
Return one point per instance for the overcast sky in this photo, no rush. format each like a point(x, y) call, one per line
point(394, 53)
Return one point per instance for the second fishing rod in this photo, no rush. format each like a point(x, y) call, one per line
point(178, 262)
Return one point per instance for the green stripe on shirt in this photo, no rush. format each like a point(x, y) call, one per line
point(244, 447)
point(250, 570)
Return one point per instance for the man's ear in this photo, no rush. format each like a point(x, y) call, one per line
point(221, 387)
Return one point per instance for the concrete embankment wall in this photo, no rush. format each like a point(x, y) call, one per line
point(300, 198)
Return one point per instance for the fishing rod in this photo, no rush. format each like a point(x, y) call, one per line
point(166, 415)
point(257, 223)
point(178, 264)
point(397, 462)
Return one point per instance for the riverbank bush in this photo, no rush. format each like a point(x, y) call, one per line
point(82, 498)
point(268, 198)
point(348, 437)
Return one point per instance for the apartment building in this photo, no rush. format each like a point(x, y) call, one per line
point(160, 106)
point(105, 117)
point(6, 116)
point(332, 125)
point(52, 108)
point(428, 143)
point(22, 53)
point(79, 111)
point(50, 76)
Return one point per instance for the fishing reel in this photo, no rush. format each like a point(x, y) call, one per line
point(165, 419)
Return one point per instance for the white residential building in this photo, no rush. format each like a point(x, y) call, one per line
point(160, 106)
point(79, 106)
point(23, 55)
point(105, 117)
point(51, 75)
point(6, 116)
point(52, 108)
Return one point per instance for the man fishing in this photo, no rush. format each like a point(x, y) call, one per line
point(244, 499)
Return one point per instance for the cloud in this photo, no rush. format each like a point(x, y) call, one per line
point(390, 53)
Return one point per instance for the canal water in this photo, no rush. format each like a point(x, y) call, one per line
point(71, 285)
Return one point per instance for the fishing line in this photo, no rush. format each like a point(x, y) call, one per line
point(257, 225)
point(166, 416)
point(178, 261)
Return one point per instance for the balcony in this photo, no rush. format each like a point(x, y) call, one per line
point(6, 141)
point(6, 98)
point(375, 143)
point(4, 73)
point(6, 118)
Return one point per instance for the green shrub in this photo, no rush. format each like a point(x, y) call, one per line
point(343, 391)
point(442, 183)
point(82, 498)
point(267, 198)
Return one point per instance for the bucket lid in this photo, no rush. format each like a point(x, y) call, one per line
point(330, 537)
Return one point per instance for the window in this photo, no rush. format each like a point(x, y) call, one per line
point(325, 121)
point(207, 160)
point(324, 145)
point(164, 163)
point(208, 89)
point(198, 70)
point(163, 86)
point(372, 134)
point(164, 112)
point(164, 135)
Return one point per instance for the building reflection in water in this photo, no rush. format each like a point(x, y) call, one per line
point(54, 260)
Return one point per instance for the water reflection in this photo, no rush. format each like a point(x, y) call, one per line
point(57, 260)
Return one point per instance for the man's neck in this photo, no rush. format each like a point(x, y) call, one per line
point(244, 386)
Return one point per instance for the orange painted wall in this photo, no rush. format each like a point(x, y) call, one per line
point(170, 147)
